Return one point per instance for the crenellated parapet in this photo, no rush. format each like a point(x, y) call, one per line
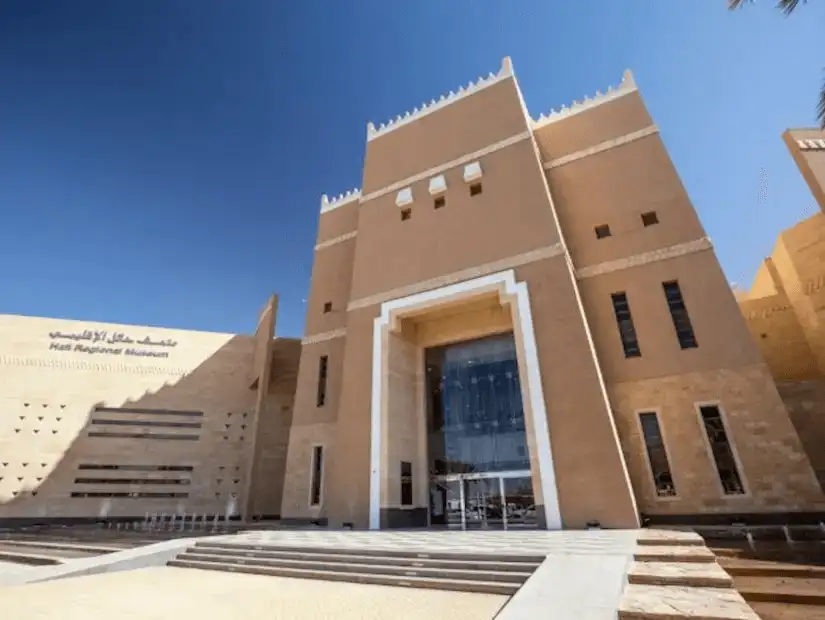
point(504, 72)
point(627, 85)
point(327, 203)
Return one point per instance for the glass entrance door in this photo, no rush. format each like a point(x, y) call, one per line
point(483, 502)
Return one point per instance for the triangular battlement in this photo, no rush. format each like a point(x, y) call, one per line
point(504, 72)
point(626, 86)
point(327, 204)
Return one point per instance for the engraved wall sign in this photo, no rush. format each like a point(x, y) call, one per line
point(96, 342)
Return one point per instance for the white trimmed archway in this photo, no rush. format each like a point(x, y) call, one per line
point(516, 294)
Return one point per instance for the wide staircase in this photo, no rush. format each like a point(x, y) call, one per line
point(466, 572)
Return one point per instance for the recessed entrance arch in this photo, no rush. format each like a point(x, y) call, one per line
point(398, 417)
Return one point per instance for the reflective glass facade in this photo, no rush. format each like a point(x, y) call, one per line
point(475, 416)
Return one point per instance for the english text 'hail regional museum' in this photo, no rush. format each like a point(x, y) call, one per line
point(514, 323)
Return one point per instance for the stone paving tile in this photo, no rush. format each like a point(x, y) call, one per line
point(696, 574)
point(673, 553)
point(675, 603)
point(164, 593)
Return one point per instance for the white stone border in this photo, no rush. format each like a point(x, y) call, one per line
point(535, 393)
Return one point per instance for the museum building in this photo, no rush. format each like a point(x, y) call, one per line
point(521, 322)
point(515, 323)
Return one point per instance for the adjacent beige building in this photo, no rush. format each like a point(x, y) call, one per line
point(103, 421)
point(785, 306)
point(516, 322)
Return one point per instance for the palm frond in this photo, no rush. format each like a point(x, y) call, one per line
point(820, 108)
point(786, 6)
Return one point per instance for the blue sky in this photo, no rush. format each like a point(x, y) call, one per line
point(162, 161)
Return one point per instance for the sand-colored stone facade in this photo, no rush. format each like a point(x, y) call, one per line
point(104, 421)
point(474, 219)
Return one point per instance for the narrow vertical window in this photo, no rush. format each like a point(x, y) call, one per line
point(657, 455)
point(627, 332)
point(322, 380)
point(721, 450)
point(406, 484)
point(317, 475)
point(679, 314)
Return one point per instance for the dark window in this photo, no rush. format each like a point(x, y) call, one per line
point(188, 414)
point(142, 435)
point(679, 314)
point(656, 455)
point(602, 231)
point(107, 421)
point(136, 467)
point(132, 494)
point(624, 320)
point(475, 189)
point(650, 218)
point(406, 214)
point(322, 380)
point(327, 306)
point(406, 484)
point(184, 481)
point(317, 473)
point(439, 202)
point(721, 450)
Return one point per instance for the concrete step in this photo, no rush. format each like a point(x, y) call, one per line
point(380, 552)
point(767, 568)
point(783, 611)
point(349, 565)
point(674, 537)
point(643, 602)
point(672, 553)
point(63, 546)
point(473, 564)
point(690, 574)
point(489, 587)
point(29, 559)
point(797, 591)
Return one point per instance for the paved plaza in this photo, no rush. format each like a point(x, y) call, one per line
point(581, 575)
point(163, 593)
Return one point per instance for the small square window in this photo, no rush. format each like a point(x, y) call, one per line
point(475, 189)
point(327, 307)
point(650, 218)
point(439, 202)
point(406, 214)
point(602, 231)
